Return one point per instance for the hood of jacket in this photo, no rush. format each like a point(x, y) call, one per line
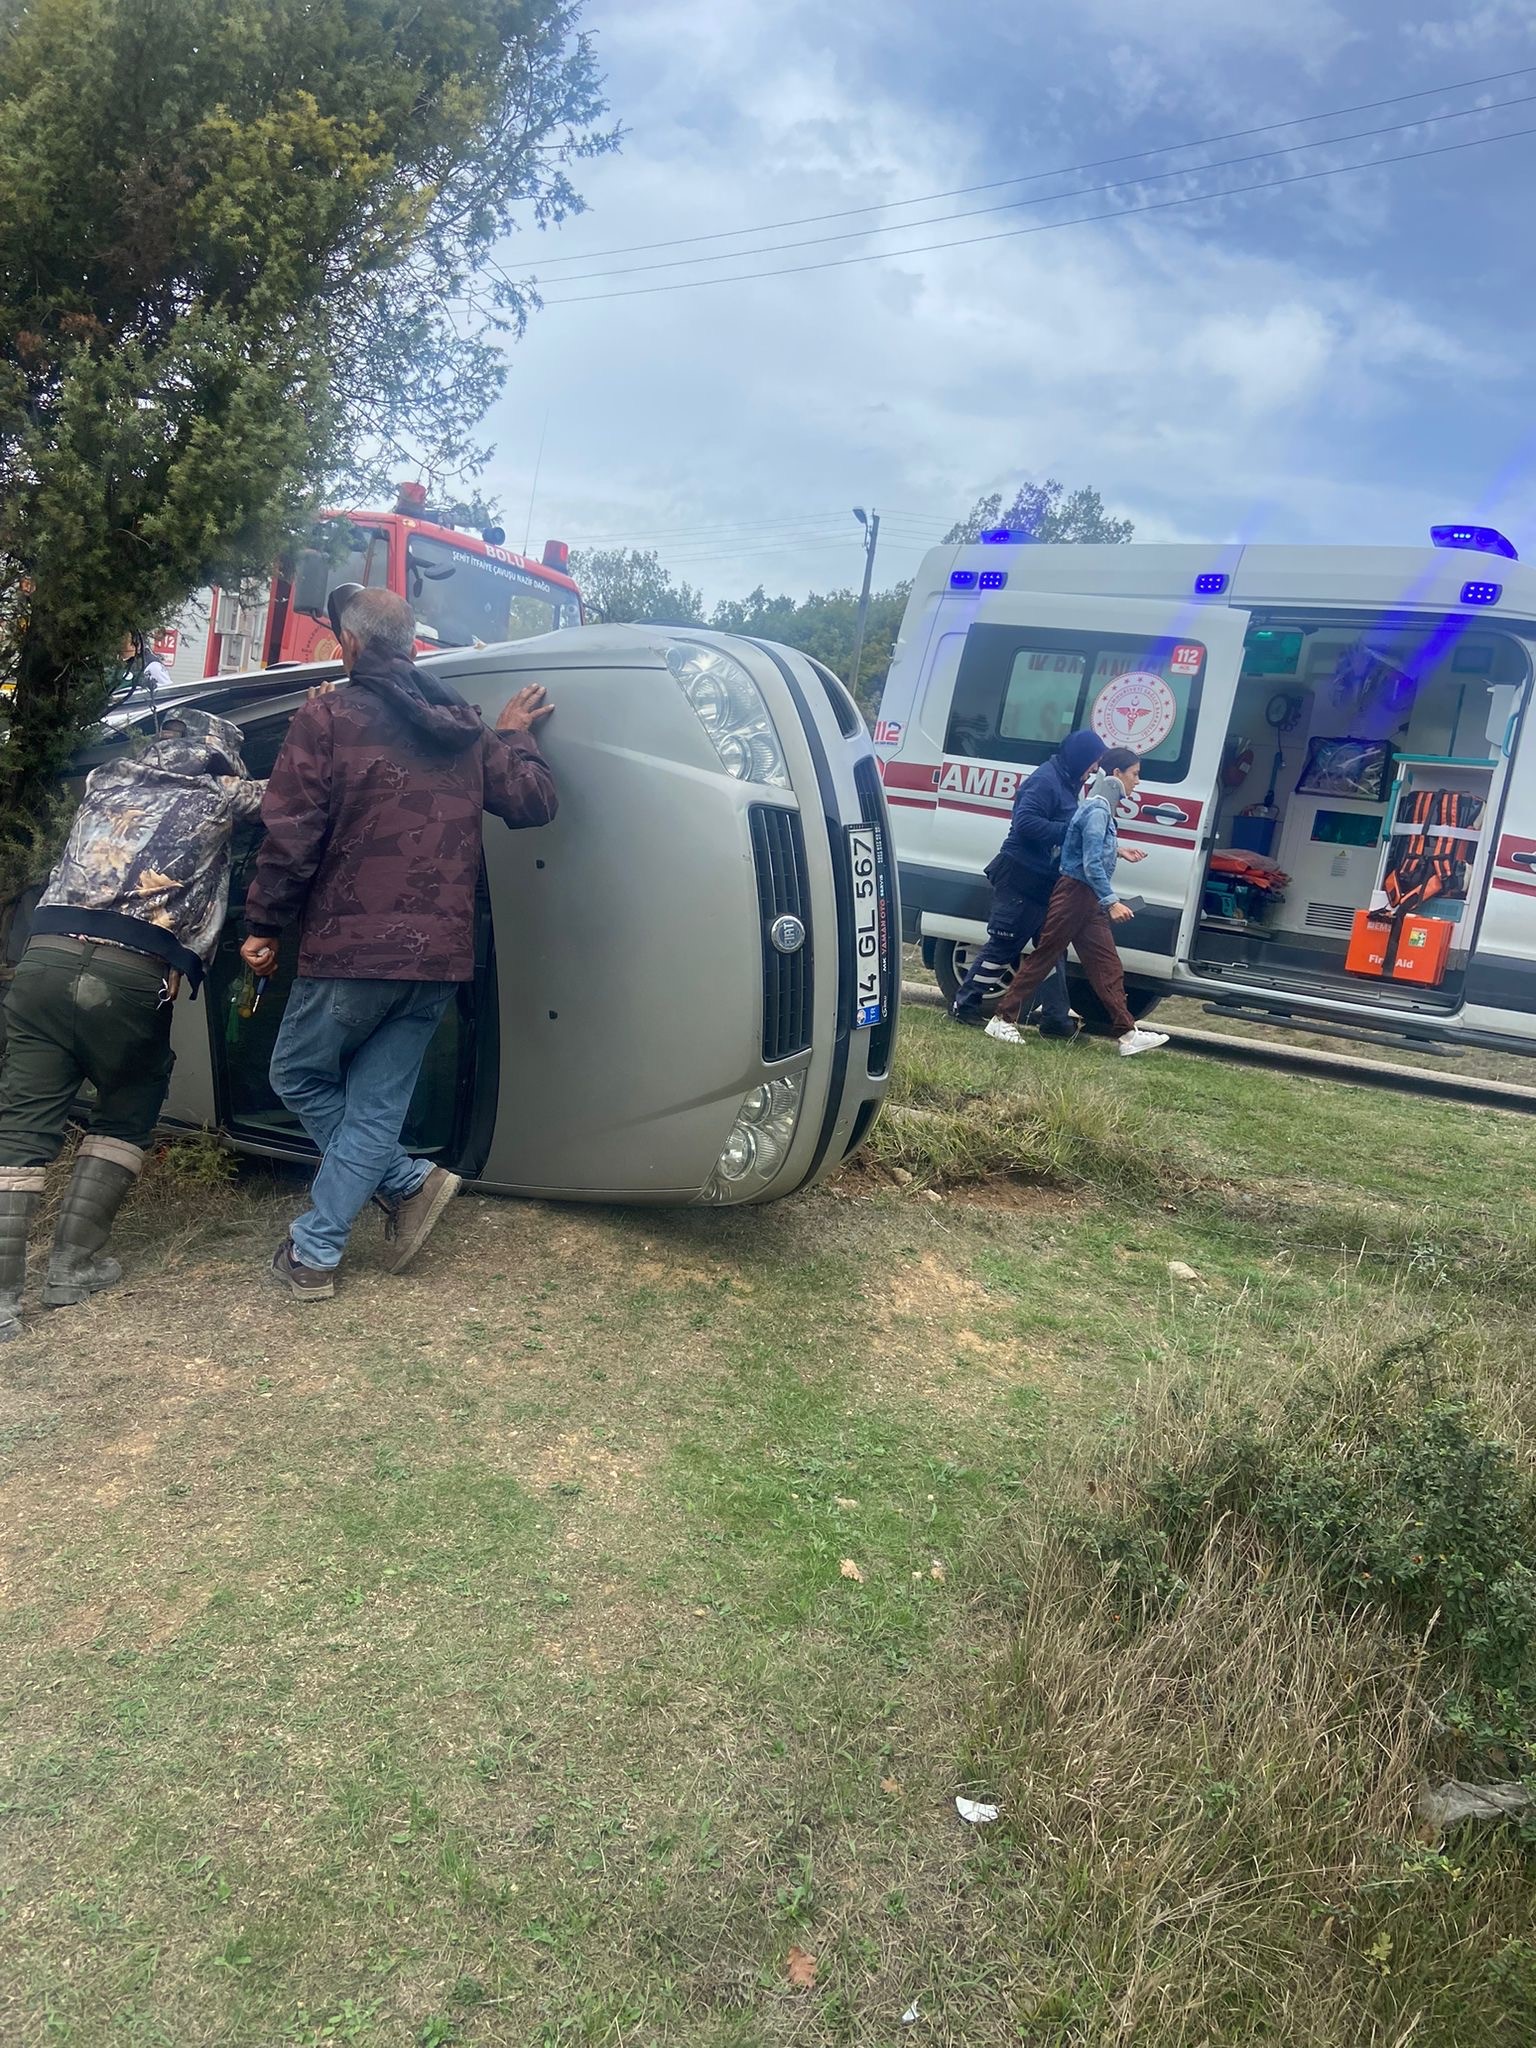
point(1076, 755)
point(438, 718)
point(193, 743)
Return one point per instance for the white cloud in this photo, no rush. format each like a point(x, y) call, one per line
point(1476, 28)
point(1190, 380)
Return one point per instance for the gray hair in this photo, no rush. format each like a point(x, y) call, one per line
point(380, 619)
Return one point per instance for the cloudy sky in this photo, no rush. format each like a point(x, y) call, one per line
point(1349, 357)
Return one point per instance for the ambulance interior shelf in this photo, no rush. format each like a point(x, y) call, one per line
point(1436, 809)
point(1429, 707)
point(1429, 850)
point(1241, 891)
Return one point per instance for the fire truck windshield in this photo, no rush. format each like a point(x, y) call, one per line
point(461, 598)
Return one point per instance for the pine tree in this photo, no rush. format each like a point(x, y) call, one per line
point(242, 252)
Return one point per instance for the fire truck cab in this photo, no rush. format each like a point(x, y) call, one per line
point(465, 586)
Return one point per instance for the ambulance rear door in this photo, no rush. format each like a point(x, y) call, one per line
point(1500, 991)
point(1157, 675)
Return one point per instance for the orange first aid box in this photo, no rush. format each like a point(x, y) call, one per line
point(1368, 943)
point(1423, 946)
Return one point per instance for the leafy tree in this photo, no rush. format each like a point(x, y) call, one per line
point(823, 626)
point(622, 585)
point(1044, 512)
point(241, 253)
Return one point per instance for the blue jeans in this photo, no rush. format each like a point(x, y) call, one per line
point(345, 1062)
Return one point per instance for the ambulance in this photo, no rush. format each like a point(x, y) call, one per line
point(1338, 791)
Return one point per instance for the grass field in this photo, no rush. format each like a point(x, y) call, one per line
point(583, 1637)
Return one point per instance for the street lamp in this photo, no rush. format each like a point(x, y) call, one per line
point(870, 521)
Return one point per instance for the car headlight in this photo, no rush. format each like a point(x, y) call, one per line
point(759, 1140)
point(730, 707)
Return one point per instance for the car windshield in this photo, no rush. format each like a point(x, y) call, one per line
point(462, 599)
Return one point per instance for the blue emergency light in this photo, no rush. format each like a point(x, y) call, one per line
point(992, 579)
point(1482, 540)
point(962, 579)
point(995, 535)
point(1481, 593)
point(1212, 583)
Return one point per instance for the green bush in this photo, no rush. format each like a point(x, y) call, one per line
point(1388, 1484)
point(196, 1164)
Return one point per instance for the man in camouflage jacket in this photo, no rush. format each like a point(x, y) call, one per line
point(135, 905)
point(374, 815)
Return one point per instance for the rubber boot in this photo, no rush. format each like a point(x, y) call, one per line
point(21, 1189)
point(105, 1169)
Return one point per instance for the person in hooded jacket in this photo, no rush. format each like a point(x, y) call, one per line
point(134, 907)
point(373, 828)
point(1022, 877)
point(1085, 908)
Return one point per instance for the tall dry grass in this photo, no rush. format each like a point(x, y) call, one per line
point(1032, 1122)
point(1209, 1787)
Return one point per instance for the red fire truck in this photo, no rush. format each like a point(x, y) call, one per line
point(466, 588)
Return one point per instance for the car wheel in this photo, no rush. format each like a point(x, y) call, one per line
point(1141, 1002)
point(952, 960)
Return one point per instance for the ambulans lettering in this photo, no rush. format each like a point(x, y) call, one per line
point(967, 778)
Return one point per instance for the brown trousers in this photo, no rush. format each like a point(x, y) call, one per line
point(1075, 918)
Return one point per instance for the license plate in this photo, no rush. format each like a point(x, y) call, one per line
point(870, 939)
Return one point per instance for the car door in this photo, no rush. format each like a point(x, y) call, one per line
point(221, 1076)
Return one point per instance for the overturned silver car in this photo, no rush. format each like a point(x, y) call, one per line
point(686, 986)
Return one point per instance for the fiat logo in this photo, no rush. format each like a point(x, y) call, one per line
point(787, 934)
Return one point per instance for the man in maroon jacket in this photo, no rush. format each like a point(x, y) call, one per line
point(373, 823)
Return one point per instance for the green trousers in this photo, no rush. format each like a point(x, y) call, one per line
point(78, 1011)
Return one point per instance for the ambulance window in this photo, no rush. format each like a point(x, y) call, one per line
point(1141, 697)
point(1041, 699)
point(1019, 693)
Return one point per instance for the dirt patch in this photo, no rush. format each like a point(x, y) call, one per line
point(579, 1460)
point(83, 1626)
point(925, 1290)
point(864, 1178)
point(1030, 1197)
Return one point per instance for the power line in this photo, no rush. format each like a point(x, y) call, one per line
point(701, 550)
point(1045, 227)
point(1047, 198)
point(808, 520)
point(811, 524)
point(1032, 177)
point(745, 550)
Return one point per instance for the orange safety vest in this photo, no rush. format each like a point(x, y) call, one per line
point(1427, 864)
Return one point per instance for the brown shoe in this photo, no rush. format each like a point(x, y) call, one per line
point(412, 1221)
point(298, 1281)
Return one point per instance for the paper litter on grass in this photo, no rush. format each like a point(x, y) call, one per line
point(975, 1811)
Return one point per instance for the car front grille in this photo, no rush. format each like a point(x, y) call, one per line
point(778, 851)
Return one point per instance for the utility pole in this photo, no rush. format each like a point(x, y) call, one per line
point(870, 521)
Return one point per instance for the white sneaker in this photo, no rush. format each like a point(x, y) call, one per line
point(999, 1027)
point(1139, 1039)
